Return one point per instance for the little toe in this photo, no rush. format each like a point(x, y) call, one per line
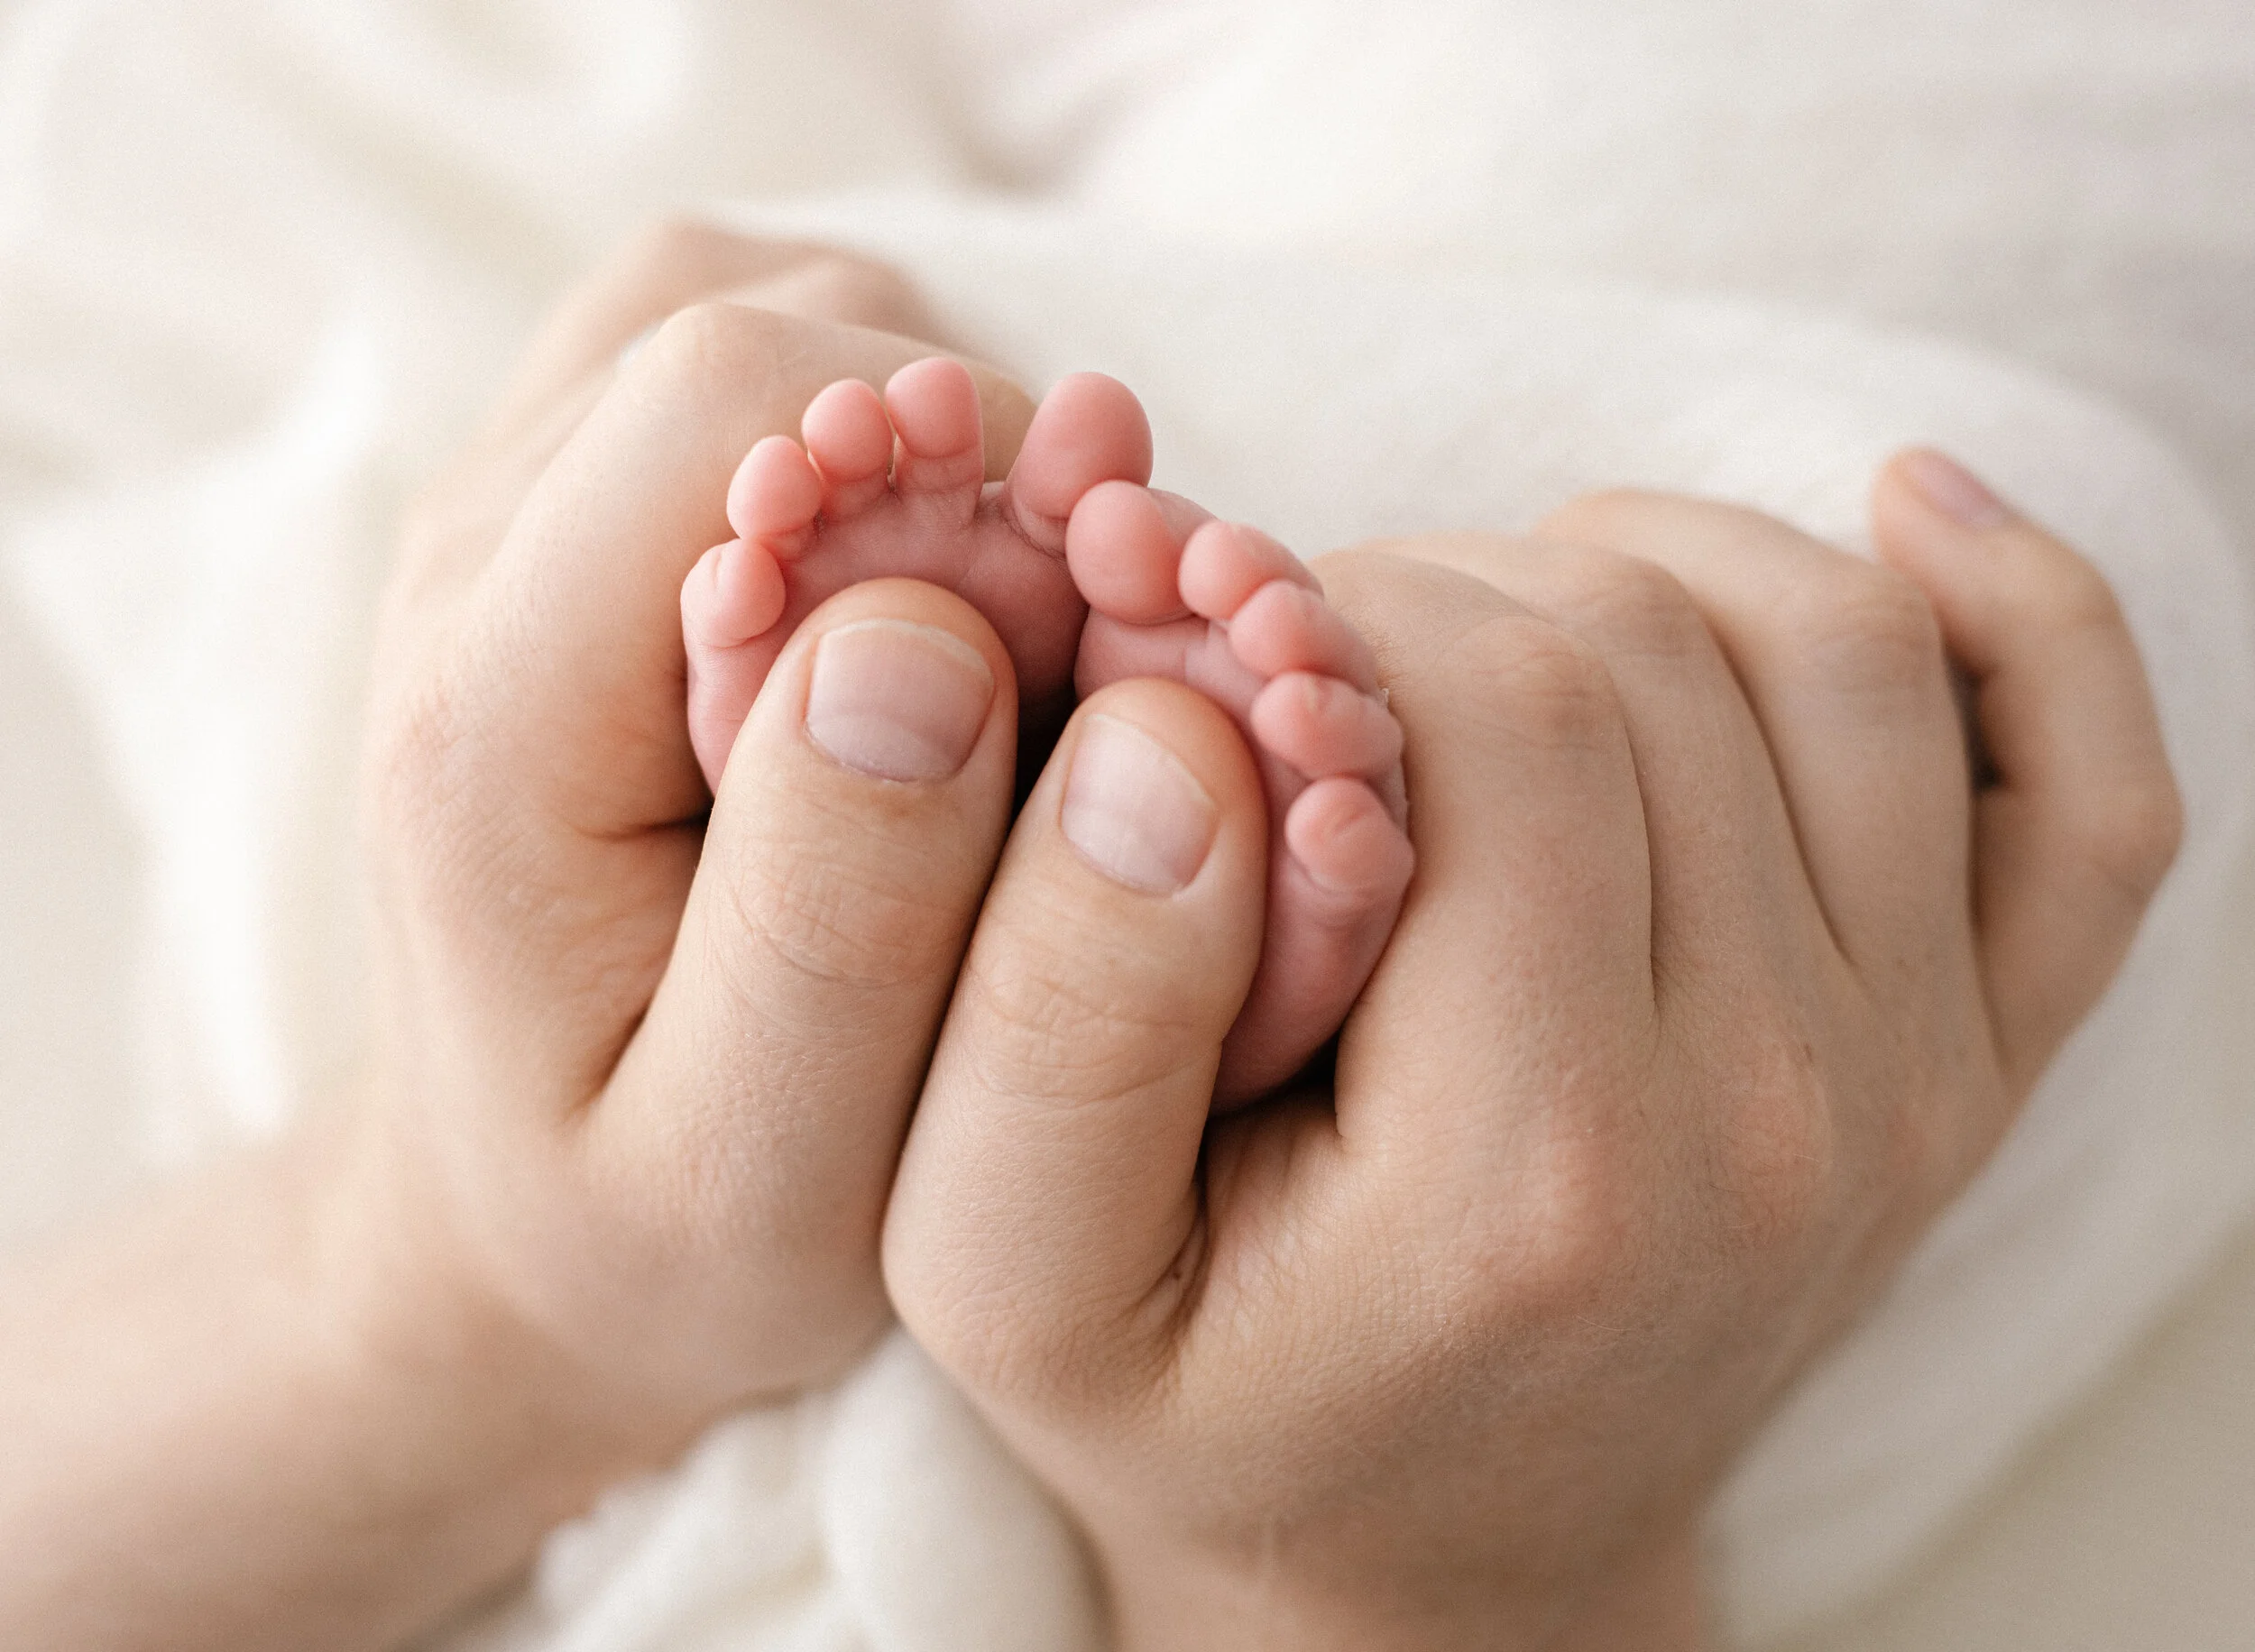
point(1323, 726)
point(773, 496)
point(1225, 563)
point(850, 441)
point(1286, 627)
point(1124, 545)
point(1334, 891)
point(1340, 832)
point(1089, 429)
point(934, 408)
point(734, 594)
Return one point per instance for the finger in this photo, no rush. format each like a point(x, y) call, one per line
point(1534, 897)
point(587, 336)
point(684, 261)
point(1051, 1172)
point(1729, 899)
point(582, 614)
point(857, 824)
point(2083, 818)
point(1841, 662)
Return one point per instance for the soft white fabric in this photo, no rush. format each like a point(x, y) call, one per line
point(1373, 269)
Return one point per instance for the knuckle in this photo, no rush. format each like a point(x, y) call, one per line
point(1561, 1227)
point(1630, 603)
point(1928, 1127)
point(835, 922)
point(705, 348)
point(1864, 627)
point(1922, 1144)
point(1774, 1148)
point(1575, 1237)
point(1053, 1030)
point(682, 258)
point(2066, 593)
point(842, 288)
point(1601, 514)
point(1531, 681)
point(2131, 835)
point(685, 253)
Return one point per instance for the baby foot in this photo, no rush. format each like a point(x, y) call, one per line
point(1174, 592)
point(896, 486)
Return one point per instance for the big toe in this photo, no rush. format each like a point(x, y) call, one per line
point(1089, 429)
point(1124, 545)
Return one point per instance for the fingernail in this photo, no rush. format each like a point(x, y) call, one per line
point(1133, 810)
point(900, 700)
point(1955, 491)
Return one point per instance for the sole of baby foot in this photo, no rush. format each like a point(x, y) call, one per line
point(893, 485)
point(1229, 611)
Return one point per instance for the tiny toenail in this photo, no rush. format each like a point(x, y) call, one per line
point(896, 700)
point(1135, 812)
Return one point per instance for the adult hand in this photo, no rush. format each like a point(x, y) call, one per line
point(1713, 987)
point(647, 1078)
point(641, 1082)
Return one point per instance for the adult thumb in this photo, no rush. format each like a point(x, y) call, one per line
point(1048, 1197)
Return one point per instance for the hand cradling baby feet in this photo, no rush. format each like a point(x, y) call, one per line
point(1089, 576)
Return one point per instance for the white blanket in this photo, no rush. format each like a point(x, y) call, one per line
point(1373, 270)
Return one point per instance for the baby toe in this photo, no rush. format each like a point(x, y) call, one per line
point(1089, 429)
point(734, 594)
point(774, 497)
point(1225, 563)
point(1335, 889)
point(1124, 547)
point(934, 405)
point(1322, 726)
point(850, 440)
point(1286, 627)
point(1343, 837)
